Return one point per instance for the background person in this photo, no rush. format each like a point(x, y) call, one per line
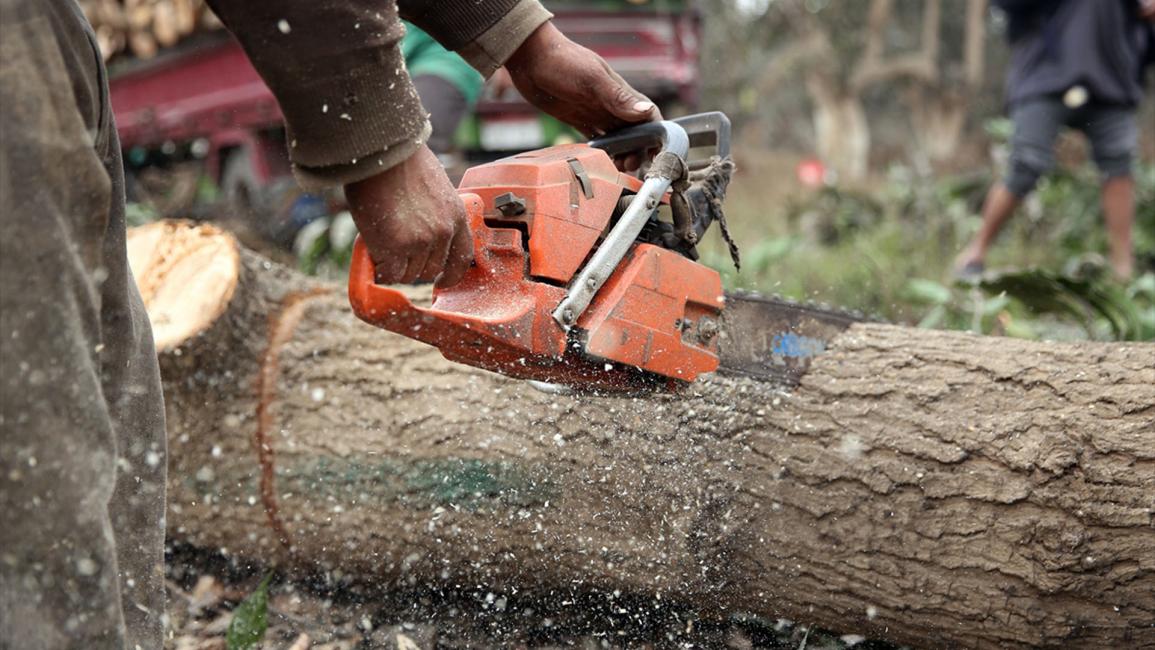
point(1079, 64)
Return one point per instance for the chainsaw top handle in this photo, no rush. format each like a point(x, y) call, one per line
point(675, 144)
point(702, 130)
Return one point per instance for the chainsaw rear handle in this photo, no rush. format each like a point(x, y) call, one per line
point(702, 130)
point(390, 308)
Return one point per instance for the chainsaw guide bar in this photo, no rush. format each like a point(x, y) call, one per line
point(775, 339)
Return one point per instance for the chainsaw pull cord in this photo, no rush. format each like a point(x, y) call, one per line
point(668, 164)
point(712, 182)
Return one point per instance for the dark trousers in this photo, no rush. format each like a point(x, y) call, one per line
point(82, 447)
point(1111, 130)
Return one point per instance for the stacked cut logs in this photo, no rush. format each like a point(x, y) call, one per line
point(142, 27)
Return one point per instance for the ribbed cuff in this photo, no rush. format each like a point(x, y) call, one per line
point(318, 178)
point(336, 118)
point(493, 48)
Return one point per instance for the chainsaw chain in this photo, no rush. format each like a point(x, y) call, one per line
point(809, 305)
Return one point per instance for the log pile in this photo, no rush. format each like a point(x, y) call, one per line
point(936, 489)
point(143, 27)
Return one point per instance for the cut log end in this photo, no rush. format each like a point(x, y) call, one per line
point(187, 274)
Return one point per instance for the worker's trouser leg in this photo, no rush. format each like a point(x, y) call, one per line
point(82, 453)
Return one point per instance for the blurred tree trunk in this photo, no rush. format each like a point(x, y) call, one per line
point(841, 130)
point(932, 488)
point(940, 104)
point(838, 77)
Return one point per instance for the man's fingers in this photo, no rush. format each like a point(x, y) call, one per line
point(418, 258)
point(460, 256)
point(628, 163)
point(390, 270)
point(436, 261)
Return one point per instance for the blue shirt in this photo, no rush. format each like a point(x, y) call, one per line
point(1101, 45)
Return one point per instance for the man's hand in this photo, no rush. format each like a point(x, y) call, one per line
point(413, 222)
point(1147, 10)
point(575, 85)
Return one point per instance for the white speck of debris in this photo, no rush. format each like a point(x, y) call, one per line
point(318, 394)
point(86, 567)
point(324, 108)
point(366, 624)
point(346, 117)
point(609, 367)
point(851, 447)
point(216, 451)
point(871, 612)
point(32, 461)
point(284, 26)
point(852, 639)
point(558, 439)
point(152, 459)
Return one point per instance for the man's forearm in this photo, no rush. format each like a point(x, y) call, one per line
point(337, 72)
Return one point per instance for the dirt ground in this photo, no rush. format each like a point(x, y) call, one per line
point(336, 612)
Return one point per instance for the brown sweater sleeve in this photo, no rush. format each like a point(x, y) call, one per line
point(484, 33)
point(336, 69)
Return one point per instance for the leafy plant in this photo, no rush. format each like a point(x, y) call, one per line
point(250, 619)
point(1091, 299)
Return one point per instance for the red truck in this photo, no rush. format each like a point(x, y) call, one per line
point(203, 100)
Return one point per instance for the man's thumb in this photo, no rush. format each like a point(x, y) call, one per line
point(629, 106)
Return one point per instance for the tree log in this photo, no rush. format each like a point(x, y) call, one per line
point(931, 488)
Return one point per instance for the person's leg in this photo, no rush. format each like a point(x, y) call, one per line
point(998, 207)
point(81, 421)
point(1119, 213)
point(446, 105)
point(58, 565)
point(1036, 124)
point(1114, 136)
point(130, 378)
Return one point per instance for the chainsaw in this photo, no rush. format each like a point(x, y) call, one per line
point(587, 277)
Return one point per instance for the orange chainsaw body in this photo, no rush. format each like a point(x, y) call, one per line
point(657, 313)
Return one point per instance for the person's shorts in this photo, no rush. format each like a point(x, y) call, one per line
point(1112, 131)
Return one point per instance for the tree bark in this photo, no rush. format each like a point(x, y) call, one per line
point(931, 488)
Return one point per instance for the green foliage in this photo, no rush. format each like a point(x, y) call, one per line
point(138, 214)
point(250, 619)
point(1090, 299)
point(889, 251)
point(325, 247)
